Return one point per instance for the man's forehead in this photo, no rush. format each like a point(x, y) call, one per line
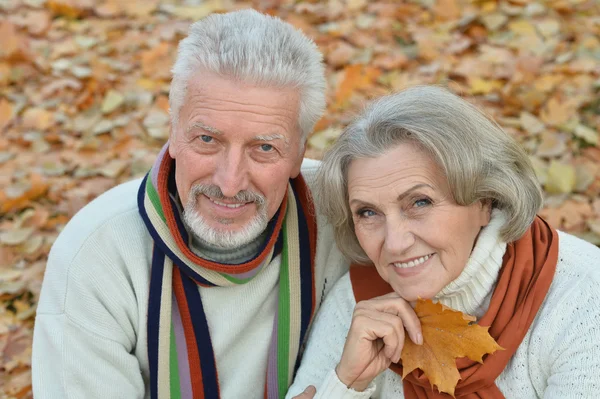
point(266, 136)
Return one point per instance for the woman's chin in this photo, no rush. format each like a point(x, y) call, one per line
point(412, 295)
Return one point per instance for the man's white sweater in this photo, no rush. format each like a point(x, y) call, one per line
point(90, 330)
point(558, 359)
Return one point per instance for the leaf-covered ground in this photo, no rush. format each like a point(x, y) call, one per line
point(84, 85)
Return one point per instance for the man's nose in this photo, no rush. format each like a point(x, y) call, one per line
point(231, 174)
point(399, 237)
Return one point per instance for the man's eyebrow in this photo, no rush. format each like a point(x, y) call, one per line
point(200, 125)
point(271, 137)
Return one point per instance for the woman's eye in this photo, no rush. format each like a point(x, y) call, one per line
point(365, 213)
point(420, 203)
point(266, 147)
point(206, 138)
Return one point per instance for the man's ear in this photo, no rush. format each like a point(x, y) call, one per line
point(298, 164)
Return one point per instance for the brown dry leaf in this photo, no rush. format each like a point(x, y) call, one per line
point(356, 77)
point(156, 61)
point(67, 8)
point(37, 188)
point(6, 113)
point(557, 112)
point(446, 9)
point(13, 44)
point(447, 335)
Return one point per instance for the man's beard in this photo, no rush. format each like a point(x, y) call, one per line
point(225, 239)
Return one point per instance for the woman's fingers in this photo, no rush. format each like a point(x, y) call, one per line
point(308, 393)
point(385, 326)
point(393, 304)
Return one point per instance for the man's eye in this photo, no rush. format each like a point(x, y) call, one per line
point(266, 147)
point(206, 139)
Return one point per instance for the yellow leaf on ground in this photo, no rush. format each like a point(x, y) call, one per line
point(37, 118)
point(561, 178)
point(447, 335)
point(196, 12)
point(522, 28)
point(587, 134)
point(483, 86)
point(112, 101)
point(557, 112)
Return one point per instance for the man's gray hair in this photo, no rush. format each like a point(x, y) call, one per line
point(480, 160)
point(257, 49)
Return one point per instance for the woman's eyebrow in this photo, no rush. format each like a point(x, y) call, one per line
point(413, 188)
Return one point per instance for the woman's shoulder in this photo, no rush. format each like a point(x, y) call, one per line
point(578, 260)
point(576, 281)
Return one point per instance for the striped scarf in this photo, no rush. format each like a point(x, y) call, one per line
point(180, 352)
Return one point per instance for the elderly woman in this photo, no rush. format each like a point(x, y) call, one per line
point(441, 203)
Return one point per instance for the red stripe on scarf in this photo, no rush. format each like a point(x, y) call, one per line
point(190, 336)
point(307, 201)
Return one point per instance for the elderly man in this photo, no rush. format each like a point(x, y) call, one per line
point(201, 280)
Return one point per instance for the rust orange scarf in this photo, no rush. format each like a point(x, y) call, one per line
point(527, 270)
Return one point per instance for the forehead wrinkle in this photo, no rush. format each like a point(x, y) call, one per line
point(366, 187)
point(281, 120)
point(237, 106)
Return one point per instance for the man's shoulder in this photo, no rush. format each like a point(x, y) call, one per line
point(112, 214)
point(99, 249)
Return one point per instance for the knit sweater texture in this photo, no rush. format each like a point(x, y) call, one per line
point(91, 324)
point(558, 358)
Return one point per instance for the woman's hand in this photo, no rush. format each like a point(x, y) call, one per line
point(309, 393)
point(376, 338)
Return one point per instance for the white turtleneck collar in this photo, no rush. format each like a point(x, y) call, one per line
point(471, 291)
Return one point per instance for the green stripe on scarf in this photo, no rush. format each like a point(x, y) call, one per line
point(284, 319)
point(174, 367)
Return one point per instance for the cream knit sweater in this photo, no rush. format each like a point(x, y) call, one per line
point(90, 330)
point(559, 357)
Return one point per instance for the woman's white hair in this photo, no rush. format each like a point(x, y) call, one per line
point(480, 160)
point(257, 49)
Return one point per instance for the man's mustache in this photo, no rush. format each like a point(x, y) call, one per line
point(213, 191)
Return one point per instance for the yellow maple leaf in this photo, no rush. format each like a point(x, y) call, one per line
point(447, 335)
point(483, 86)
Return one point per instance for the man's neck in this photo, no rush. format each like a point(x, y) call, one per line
point(234, 256)
point(217, 254)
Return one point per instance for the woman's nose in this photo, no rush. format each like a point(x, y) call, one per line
point(399, 237)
